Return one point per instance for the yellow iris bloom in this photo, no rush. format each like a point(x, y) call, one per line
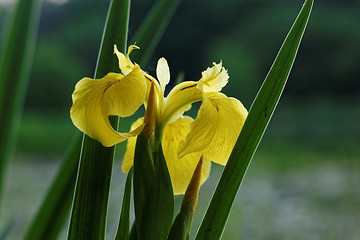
point(183, 139)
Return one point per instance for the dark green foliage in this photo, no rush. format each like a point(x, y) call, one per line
point(88, 218)
point(255, 125)
point(153, 195)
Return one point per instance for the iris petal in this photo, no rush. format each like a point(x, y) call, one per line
point(179, 100)
point(125, 63)
point(127, 95)
point(180, 170)
point(214, 78)
point(163, 73)
point(128, 159)
point(215, 129)
point(95, 100)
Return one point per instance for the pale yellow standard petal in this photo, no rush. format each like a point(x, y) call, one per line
point(163, 73)
point(179, 100)
point(215, 129)
point(125, 63)
point(184, 94)
point(181, 170)
point(95, 100)
point(215, 78)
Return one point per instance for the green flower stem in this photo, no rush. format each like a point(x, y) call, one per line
point(51, 216)
point(15, 65)
point(259, 116)
point(88, 217)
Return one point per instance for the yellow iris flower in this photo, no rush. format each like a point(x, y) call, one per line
point(183, 139)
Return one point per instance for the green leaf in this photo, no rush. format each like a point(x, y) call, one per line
point(133, 232)
point(152, 29)
point(158, 208)
point(143, 173)
point(15, 65)
point(259, 116)
point(124, 222)
point(88, 217)
point(182, 224)
point(178, 230)
point(89, 211)
point(115, 32)
point(54, 209)
point(104, 63)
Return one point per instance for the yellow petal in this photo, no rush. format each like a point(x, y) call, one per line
point(181, 170)
point(163, 73)
point(214, 79)
point(95, 100)
point(216, 128)
point(179, 100)
point(128, 159)
point(126, 95)
point(125, 63)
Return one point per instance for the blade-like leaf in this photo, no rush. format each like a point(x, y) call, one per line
point(143, 173)
point(103, 63)
point(158, 208)
point(180, 229)
point(124, 222)
point(133, 232)
point(51, 216)
point(152, 29)
point(88, 218)
point(253, 129)
point(16, 55)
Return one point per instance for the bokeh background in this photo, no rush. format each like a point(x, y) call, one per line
point(303, 182)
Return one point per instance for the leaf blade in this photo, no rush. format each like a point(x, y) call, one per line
point(156, 219)
point(88, 217)
point(259, 116)
point(15, 65)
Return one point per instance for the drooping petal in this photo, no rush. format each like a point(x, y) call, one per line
point(128, 159)
point(125, 63)
point(216, 128)
point(163, 73)
point(214, 79)
point(126, 66)
point(127, 95)
point(179, 100)
point(181, 170)
point(95, 100)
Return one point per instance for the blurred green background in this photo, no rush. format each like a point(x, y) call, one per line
point(303, 181)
